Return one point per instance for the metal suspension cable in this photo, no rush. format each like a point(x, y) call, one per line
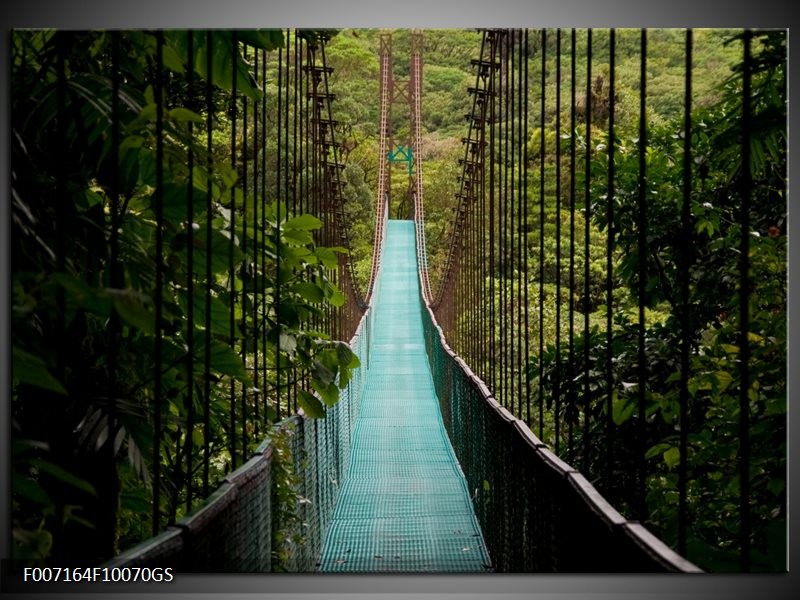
point(335, 188)
point(503, 99)
point(521, 227)
point(527, 417)
point(419, 205)
point(587, 257)
point(641, 503)
point(243, 297)
point(256, 226)
point(493, 162)
point(557, 386)
point(570, 414)
point(263, 232)
point(157, 353)
point(278, 217)
point(542, 149)
point(189, 399)
point(291, 390)
point(745, 516)
point(685, 309)
point(231, 246)
point(473, 156)
point(209, 89)
point(609, 364)
point(381, 204)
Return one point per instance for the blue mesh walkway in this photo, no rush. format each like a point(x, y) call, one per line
point(404, 505)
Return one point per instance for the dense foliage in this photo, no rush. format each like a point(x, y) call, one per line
point(91, 206)
point(712, 252)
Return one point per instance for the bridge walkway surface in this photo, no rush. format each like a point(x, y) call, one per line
point(404, 505)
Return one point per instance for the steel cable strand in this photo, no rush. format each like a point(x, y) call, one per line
point(455, 232)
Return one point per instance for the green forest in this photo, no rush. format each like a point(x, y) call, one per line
point(120, 356)
point(161, 218)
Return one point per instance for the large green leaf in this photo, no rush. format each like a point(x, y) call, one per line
point(30, 369)
point(174, 198)
point(327, 257)
point(226, 64)
point(306, 222)
point(288, 343)
point(219, 312)
point(672, 457)
point(184, 114)
point(224, 359)
point(311, 405)
point(346, 356)
point(222, 251)
point(265, 39)
point(337, 298)
point(62, 475)
point(32, 544)
point(134, 307)
point(324, 373)
point(622, 408)
point(309, 291)
point(328, 392)
point(80, 295)
point(300, 237)
point(172, 57)
point(29, 489)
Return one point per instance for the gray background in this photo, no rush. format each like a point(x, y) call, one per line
point(86, 14)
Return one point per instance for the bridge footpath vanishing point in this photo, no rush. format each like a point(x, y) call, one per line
point(404, 504)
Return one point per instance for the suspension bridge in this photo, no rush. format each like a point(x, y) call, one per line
point(444, 451)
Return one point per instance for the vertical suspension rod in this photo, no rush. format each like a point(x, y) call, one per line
point(571, 361)
point(744, 310)
point(557, 386)
point(159, 195)
point(231, 272)
point(685, 316)
point(189, 401)
point(208, 272)
point(640, 502)
point(525, 233)
point(587, 258)
point(609, 269)
point(542, 156)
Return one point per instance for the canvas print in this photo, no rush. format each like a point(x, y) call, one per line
point(397, 301)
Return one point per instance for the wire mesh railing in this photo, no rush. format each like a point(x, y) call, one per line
point(538, 513)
